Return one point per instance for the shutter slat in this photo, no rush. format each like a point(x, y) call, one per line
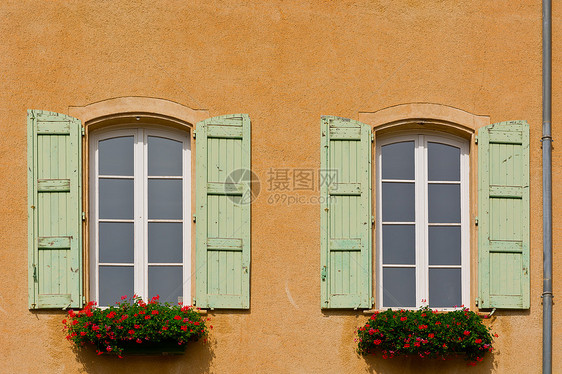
point(346, 214)
point(55, 209)
point(223, 212)
point(503, 210)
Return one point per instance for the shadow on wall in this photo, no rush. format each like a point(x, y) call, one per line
point(197, 359)
point(377, 364)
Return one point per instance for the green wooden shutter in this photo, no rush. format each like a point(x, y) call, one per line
point(223, 212)
point(55, 210)
point(503, 209)
point(345, 213)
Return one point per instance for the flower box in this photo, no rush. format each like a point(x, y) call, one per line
point(425, 333)
point(168, 347)
point(134, 327)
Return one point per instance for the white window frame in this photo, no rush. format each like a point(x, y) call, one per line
point(140, 135)
point(421, 214)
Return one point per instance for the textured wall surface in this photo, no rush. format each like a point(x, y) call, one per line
point(285, 63)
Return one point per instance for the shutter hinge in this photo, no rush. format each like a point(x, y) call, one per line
point(193, 134)
point(194, 302)
point(194, 218)
point(372, 301)
point(83, 216)
point(323, 273)
point(475, 139)
point(34, 273)
point(372, 220)
point(83, 131)
point(83, 299)
point(476, 302)
point(476, 220)
point(372, 137)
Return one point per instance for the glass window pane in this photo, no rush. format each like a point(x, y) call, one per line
point(114, 282)
point(444, 245)
point(166, 281)
point(116, 156)
point(399, 244)
point(444, 203)
point(444, 288)
point(399, 287)
point(116, 240)
point(165, 241)
point(443, 162)
point(116, 198)
point(398, 161)
point(398, 202)
point(164, 199)
point(164, 156)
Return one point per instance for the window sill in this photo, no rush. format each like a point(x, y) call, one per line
point(484, 315)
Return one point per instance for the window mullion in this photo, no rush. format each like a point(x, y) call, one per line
point(186, 177)
point(421, 224)
point(139, 214)
point(144, 248)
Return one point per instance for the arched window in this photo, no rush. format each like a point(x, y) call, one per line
point(423, 234)
point(140, 194)
point(142, 232)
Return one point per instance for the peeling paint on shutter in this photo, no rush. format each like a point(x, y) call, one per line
point(503, 215)
point(346, 229)
point(54, 210)
point(223, 197)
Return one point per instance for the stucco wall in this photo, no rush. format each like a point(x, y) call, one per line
point(285, 63)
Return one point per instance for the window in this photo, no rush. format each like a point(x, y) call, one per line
point(139, 206)
point(422, 210)
point(140, 193)
point(422, 232)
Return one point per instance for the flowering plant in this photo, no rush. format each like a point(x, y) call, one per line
point(132, 321)
point(425, 333)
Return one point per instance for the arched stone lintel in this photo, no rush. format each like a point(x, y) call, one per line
point(427, 116)
point(124, 109)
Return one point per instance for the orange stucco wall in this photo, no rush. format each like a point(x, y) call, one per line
point(285, 63)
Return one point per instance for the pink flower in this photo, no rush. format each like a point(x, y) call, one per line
point(478, 341)
point(466, 332)
point(123, 297)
